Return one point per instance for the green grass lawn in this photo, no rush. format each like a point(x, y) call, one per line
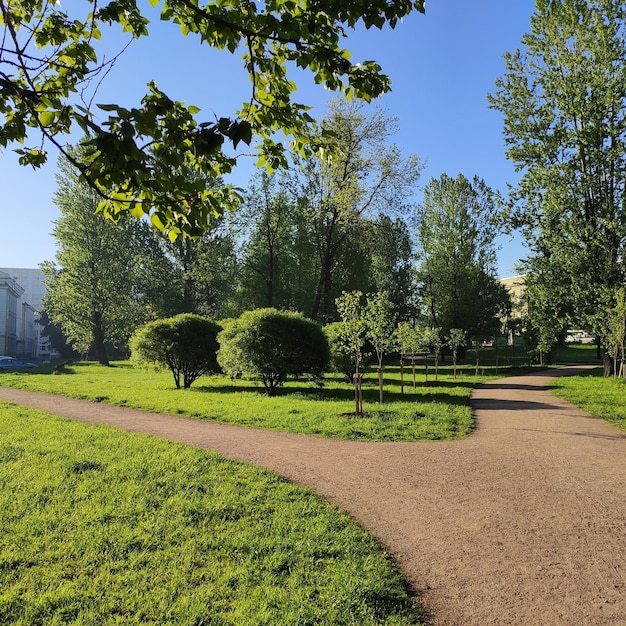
point(101, 527)
point(599, 396)
point(576, 353)
point(433, 410)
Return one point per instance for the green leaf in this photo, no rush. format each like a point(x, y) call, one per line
point(46, 118)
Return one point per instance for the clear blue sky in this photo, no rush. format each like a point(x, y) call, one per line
point(442, 66)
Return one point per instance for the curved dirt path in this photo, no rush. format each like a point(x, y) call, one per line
point(522, 523)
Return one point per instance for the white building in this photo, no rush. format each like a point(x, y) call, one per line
point(21, 296)
point(10, 313)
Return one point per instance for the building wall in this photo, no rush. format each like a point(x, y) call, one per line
point(31, 281)
point(516, 287)
point(29, 334)
point(10, 293)
point(28, 341)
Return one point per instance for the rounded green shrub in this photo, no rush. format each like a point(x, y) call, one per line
point(186, 343)
point(273, 345)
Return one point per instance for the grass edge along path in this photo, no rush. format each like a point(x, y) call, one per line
point(593, 393)
point(104, 527)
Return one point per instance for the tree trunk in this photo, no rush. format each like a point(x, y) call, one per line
point(323, 288)
point(98, 339)
point(358, 394)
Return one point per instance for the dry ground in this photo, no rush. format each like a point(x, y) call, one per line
point(523, 523)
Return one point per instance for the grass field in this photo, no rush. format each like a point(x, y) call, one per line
point(431, 411)
point(101, 527)
point(576, 353)
point(598, 396)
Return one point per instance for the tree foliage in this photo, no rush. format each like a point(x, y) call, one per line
point(392, 264)
point(563, 98)
point(51, 62)
point(186, 344)
point(341, 195)
point(456, 257)
point(617, 332)
point(277, 267)
point(341, 351)
point(455, 339)
point(380, 322)
point(188, 275)
point(273, 345)
point(408, 340)
point(90, 289)
point(431, 341)
point(352, 337)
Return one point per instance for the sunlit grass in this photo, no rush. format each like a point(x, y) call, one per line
point(432, 410)
point(101, 527)
point(594, 394)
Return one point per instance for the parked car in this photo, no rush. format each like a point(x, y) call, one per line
point(9, 363)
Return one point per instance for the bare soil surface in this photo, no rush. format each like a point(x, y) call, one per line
point(522, 523)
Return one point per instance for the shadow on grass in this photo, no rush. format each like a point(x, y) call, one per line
point(48, 368)
point(426, 393)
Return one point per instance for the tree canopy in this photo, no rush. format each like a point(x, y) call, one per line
point(91, 292)
point(186, 344)
point(563, 98)
point(51, 65)
point(367, 175)
point(456, 256)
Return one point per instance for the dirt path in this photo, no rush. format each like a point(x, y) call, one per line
point(522, 523)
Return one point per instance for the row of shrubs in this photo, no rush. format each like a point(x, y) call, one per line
point(270, 344)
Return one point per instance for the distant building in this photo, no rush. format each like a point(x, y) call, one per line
point(10, 314)
point(516, 286)
point(32, 282)
point(23, 303)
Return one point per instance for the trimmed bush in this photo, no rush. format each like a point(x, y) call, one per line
point(186, 343)
point(273, 345)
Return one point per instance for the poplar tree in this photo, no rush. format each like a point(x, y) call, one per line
point(90, 289)
point(364, 175)
point(563, 99)
point(457, 257)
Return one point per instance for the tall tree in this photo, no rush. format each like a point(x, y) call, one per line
point(277, 263)
point(563, 98)
point(189, 274)
point(206, 270)
point(50, 65)
point(457, 257)
point(365, 174)
point(393, 264)
point(90, 291)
